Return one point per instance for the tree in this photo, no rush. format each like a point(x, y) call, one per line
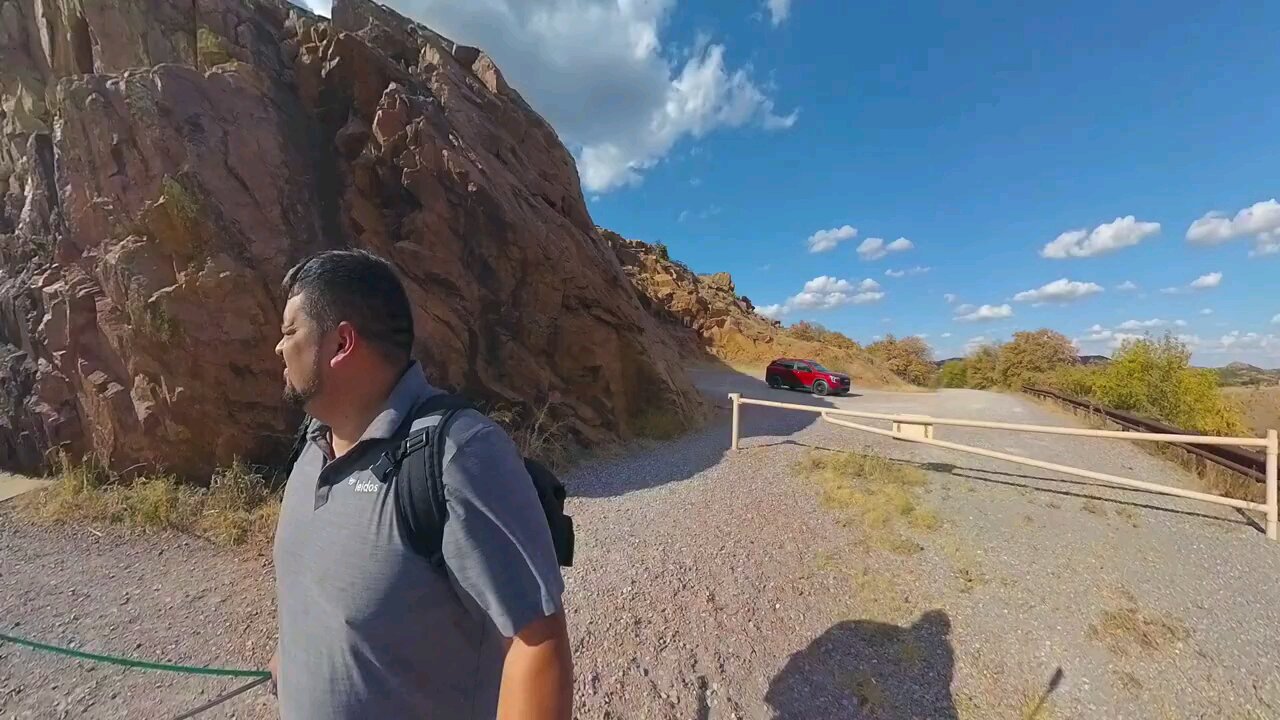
point(981, 367)
point(909, 358)
point(1031, 357)
point(954, 374)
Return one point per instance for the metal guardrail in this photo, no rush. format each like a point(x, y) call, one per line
point(1249, 464)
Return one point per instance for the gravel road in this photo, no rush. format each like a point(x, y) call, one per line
point(714, 585)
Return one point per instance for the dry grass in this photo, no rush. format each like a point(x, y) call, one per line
point(1093, 506)
point(1261, 406)
point(1128, 514)
point(965, 565)
point(1129, 630)
point(1035, 706)
point(236, 509)
point(1128, 681)
point(877, 494)
point(538, 434)
point(873, 595)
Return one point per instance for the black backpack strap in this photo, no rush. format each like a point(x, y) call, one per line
point(414, 467)
point(299, 444)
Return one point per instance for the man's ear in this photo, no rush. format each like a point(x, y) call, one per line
point(347, 341)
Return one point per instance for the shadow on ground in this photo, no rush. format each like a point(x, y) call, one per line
point(863, 668)
point(671, 461)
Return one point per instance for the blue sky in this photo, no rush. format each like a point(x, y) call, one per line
point(1034, 157)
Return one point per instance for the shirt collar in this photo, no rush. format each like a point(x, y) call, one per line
point(408, 393)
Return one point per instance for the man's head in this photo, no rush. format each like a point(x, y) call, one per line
point(347, 327)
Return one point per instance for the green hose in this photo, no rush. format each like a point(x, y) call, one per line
point(140, 664)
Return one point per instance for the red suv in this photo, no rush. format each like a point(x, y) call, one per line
point(807, 374)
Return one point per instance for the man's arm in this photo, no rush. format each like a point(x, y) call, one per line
point(498, 548)
point(537, 678)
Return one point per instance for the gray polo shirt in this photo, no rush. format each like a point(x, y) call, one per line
point(368, 629)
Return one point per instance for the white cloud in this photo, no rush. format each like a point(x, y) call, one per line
point(1206, 311)
point(1276, 320)
point(987, 312)
point(1245, 342)
point(1108, 237)
point(1140, 324)
point(1126, 286)
point(922, 336)
point(1212, 280)
point(917, 270)
point(319, 7)
point(773, 312)
point(946, 335)
point(825, 240)
point(1059, 291)
point(621, 100)
point(1098, 335)
point(895, 273)
point(1261, 220)
point(826, 293)
point(963, 308)
point(949, 297)
point(1204, 282)
point(974, 343)
point(874, 248)
point(778, 11)
point(684, 215)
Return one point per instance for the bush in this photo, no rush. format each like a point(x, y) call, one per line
point(1154, 378)
point(909, 358)
point(661, 250)
point(1031, 357)
point(982, 367)
point(239, 507)
point(954, 374)
point(816, 333)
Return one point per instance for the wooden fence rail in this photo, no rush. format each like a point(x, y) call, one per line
point(920, 429)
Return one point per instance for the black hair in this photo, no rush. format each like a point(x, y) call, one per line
point(358, 287)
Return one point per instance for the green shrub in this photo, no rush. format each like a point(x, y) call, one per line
point(1154, 378)
point(982, 367)
point(954, 374)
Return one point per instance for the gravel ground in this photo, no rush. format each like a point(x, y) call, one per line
point(713, 585)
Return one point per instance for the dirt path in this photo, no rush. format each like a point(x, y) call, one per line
point(712, 585)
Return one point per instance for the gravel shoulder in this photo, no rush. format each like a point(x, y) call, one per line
point(714, 585)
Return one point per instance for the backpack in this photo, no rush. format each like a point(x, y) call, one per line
point(416, 467)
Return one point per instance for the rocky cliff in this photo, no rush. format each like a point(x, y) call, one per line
point(704, 315)
point(163, 162)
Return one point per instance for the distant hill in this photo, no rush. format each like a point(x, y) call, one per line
point(1241, 373)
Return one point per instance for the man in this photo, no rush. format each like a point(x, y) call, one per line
point(368, 628)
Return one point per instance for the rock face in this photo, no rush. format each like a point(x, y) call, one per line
point(705, 315)
point(162, 164)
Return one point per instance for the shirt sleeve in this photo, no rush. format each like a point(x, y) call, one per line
point(496, 540)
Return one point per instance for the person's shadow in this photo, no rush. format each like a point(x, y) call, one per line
point(868, 669)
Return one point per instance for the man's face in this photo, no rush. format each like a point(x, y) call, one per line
point(299, 348)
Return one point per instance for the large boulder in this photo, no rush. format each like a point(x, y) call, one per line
point(163, 163)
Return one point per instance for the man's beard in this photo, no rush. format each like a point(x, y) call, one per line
point(299, 396)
